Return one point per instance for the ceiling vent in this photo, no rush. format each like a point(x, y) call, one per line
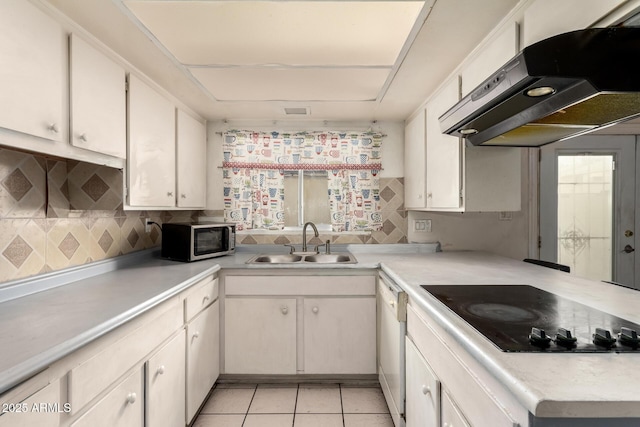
point(297, 111)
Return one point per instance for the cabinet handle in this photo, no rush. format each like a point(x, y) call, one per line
point(426, 389)
point(83, 137)
point(392, 303)
point(184, 196)
point(196, 334)
point(205, 299)
point(131, 398)
point(315, 309)
point(429, 195)
point(170, 193)
point(285, 310)
point(53, 127)
point(160, 370)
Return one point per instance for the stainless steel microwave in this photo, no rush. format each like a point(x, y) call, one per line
point(192, 242)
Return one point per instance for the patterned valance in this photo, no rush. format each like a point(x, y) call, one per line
point(305, 150)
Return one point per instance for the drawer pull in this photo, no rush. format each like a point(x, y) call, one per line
point(131, 398)
point(285, 310)
point(315, 309)
point(196, 334)
point(426, 389)
point(392, 303)
point(160, 370)
point(205, 299)
point(53, 127)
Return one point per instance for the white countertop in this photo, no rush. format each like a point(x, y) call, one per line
point(47, 325)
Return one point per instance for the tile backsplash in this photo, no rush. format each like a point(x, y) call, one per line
point(41, 230)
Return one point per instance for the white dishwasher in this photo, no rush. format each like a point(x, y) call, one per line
point(392, 315)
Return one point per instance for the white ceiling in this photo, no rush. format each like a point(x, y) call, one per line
point(245, 59)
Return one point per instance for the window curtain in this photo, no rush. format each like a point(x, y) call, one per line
point(254, 165)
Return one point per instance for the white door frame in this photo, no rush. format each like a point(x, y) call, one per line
point(624, 218)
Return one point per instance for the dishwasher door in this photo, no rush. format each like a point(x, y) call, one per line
point(392, 313)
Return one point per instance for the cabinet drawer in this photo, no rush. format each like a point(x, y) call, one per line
point(479, 406)
point(24, 414)
point(201, 295)
point(91, 377)
point(121, 407)
point(300, 285)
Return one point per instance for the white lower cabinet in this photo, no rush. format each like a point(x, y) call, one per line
point(122, 406)
point(31, 413)
point(338, 337)
point(260, 336)
point(164, 376)
point(423, 390)
point(281, 324)
point(451, 415)
point(203, 356)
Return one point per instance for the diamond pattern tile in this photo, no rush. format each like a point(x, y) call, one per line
point(95, 187)
point(17, 252)
point(17, 184)
point(69, 245)
point(105, 241)
point(133, 237)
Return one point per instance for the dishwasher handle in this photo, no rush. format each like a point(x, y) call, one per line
point(400, 297)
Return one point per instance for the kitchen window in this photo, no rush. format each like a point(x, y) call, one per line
point(305, 199)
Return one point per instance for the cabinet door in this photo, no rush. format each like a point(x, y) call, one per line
point(98, 101)
point(451, 415)
point(414, 162)
point(121, 407)
point(192, 161)
point(423, 390)
point(151, 160)
point(443, 152)
point(340, 335)
point(260, 336)
point(203, 356)
point(165, 383)
point(32, 71)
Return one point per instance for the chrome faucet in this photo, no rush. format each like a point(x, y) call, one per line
point(304, 234)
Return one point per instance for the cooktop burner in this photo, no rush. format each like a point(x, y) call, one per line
point(522, 318)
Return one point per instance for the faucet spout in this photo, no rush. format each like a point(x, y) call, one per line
point(304, 234)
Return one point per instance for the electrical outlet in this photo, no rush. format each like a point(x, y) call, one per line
point(505, 216)
point(422, 225)
point(147, 225)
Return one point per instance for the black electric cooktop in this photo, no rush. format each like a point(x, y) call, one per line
point(522, 318)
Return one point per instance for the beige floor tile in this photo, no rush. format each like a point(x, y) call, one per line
point(318, 420)
point(359, 400)
point(367, 420)
point(274, 401)
point(206, 420)
point(268, 420)
point(229, 401)
point(315, 400)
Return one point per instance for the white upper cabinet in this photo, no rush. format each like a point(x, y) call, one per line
point(151, 156)
point(98, 100)
point(32, 71)
point(546, 18)
point(414, 161)
point(497, 53)
point(443, 163)
point(191, 161)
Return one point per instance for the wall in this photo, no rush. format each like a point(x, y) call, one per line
point(391, 179)
point(38, 233)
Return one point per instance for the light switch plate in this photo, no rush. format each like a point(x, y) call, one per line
point(422, 225)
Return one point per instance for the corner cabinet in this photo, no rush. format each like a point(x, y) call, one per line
point(278, 324)
point(32, 71)
point(151, 168)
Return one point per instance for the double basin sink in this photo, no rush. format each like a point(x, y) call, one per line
point(337, 258)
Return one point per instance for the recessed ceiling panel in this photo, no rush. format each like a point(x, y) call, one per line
point(279, 32)
point(298, 84)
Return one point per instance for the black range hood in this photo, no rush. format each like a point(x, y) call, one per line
point(558, 88)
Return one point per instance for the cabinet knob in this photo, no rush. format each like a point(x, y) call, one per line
point(160, 370)
point(205, 299)
point(53, 127)
point(83, 137)
point(170, 193)
point(429, 195)
point(196, 334)
point(184, 196)
point(131, 398)
point(285, 310)
point(426, 389)
point(315, 309)
point(392, 303)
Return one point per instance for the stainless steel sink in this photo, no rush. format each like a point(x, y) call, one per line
point(275, 259)
point(331, 258)
point(337, 258)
